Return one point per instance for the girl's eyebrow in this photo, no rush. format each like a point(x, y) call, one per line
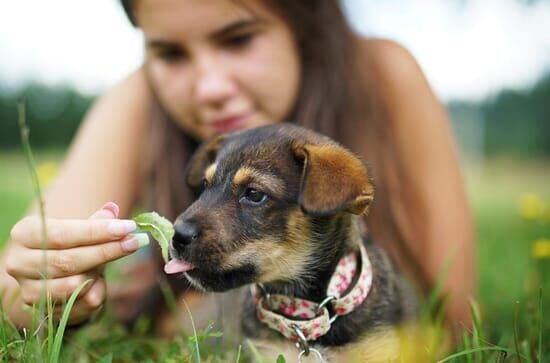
point(219, 33)
point(237, 25)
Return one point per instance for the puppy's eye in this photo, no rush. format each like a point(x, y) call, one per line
point(253, 196)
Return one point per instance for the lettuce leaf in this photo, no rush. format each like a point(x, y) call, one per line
point(160, 228)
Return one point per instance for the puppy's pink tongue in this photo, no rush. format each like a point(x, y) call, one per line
point(175, 266)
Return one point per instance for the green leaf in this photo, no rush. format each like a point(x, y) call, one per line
point(281, 359)
point(160, 228)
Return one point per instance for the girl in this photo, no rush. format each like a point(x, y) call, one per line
point(220, 65)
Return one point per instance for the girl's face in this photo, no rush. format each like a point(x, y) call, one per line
point(219, 66)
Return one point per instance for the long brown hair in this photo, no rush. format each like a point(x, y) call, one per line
point(337, 98)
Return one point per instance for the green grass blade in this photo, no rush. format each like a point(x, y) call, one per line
point(429, 306)
point(516, 344)
point(106, 359)
point(257, 356)
point(476, 350)
point(527, 352)
point(194, 331)
point(27, 150)
point(238, 354)
point(540, 326)
point(468, 345)
point(477, 337)
point(54, 358)
point(50, 325)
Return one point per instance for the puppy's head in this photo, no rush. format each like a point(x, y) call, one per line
point(261, 191)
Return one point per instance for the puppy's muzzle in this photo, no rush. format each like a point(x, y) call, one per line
point(186, 234)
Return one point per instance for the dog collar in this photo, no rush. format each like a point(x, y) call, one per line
point(299, 319)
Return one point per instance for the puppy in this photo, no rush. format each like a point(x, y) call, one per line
point(279, 209)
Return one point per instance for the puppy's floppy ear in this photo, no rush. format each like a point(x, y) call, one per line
point(333, 180)
point(202, 158)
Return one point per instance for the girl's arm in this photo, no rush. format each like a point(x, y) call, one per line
point(427, 193)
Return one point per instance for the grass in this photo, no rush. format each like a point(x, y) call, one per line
point(508, 321)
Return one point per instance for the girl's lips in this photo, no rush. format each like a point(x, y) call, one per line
point(174, 266)
point(229, 123)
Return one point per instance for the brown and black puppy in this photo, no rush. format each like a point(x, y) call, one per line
point(280, 205)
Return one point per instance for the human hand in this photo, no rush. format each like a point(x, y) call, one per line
point(76, 251)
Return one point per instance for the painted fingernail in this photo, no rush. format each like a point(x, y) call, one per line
point(112, 207)
point(137, 241)
point(121, 227)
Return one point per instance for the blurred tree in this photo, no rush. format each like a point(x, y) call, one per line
point(53, 114)
point(512, 122)
point(515, 122)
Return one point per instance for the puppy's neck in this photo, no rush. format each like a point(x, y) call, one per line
point(335, 236)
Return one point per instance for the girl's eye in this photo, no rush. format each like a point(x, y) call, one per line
point(238, 41)
point(170, 54)
point(253, 197)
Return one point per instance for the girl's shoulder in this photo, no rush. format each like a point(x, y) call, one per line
point(393, 66)
point(398, 78)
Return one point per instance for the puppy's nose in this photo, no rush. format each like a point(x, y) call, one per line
point(186, 233)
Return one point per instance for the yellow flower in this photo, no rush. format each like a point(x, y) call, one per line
point(531, 206)
point(46, 173)
point(541, 248)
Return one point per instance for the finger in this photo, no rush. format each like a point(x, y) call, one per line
point(85, 305)
point(108, 211)
point(67, 233)
point(59, 289)
point(72, 261)
point(95, 296)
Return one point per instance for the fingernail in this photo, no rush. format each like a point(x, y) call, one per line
point(121, 227)
point(112, 207)
point(94, 298)
point(137, 241)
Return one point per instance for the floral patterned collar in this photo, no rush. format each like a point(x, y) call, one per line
point(298, 319)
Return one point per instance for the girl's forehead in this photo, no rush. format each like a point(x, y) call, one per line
point(195, 18)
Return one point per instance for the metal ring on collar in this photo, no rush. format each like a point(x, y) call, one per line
point(302, 341)
point(317, 353)
point(266, 294)
point(324, 303)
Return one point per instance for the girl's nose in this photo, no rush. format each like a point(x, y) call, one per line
point(213, 83)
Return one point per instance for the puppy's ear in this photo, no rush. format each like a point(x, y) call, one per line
point(202, 158)
point(333, 180)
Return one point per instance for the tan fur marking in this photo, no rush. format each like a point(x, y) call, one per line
point(408, 342)
point(381, 345)
point(210, 172)
point(242, 175)
point(277, 260)
point(247, 175)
